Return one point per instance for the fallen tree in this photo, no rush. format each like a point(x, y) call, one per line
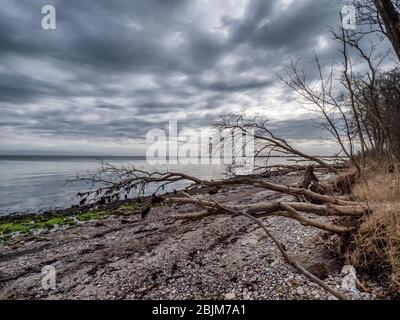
point(308, 207)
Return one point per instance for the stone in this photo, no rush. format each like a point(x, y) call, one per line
point(230, 296)
point(349, 281)
point(300, 291)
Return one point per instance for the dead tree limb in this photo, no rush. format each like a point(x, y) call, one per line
point(325, 210)
point(270, 209)
point(110, 183)
point(267, 140)
point(302, 192)
point(294, 214)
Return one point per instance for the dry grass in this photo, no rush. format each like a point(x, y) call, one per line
point(378, 187)
point(376, 246)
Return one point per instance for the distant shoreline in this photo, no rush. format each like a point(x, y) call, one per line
point(94, 157)
point(72, 157)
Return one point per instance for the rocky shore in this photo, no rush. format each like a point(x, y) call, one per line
point(114, 254)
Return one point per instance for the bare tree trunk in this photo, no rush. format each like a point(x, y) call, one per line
point(348, 74)
point(391, 19)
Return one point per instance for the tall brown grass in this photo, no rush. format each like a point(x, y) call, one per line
point(376, 245)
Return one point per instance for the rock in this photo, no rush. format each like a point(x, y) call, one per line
point(230, 296)
point(349, 281)
point(318, 269)
point(300, 291)
point(316, 294)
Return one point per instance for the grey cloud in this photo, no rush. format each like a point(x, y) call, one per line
point(135, 64)
point(300, 128)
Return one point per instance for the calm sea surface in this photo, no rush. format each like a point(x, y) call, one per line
point(37, 183)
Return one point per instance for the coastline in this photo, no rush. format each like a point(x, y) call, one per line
point(111, 253)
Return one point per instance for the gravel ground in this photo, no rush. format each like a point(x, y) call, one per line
point(160, 258)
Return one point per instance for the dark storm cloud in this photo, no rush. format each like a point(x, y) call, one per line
point(295, 29)
point(234, 85)
point(116, 69)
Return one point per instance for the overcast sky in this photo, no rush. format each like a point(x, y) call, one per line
point(112, 70)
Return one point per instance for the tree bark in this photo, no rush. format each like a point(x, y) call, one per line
point(391, 20)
